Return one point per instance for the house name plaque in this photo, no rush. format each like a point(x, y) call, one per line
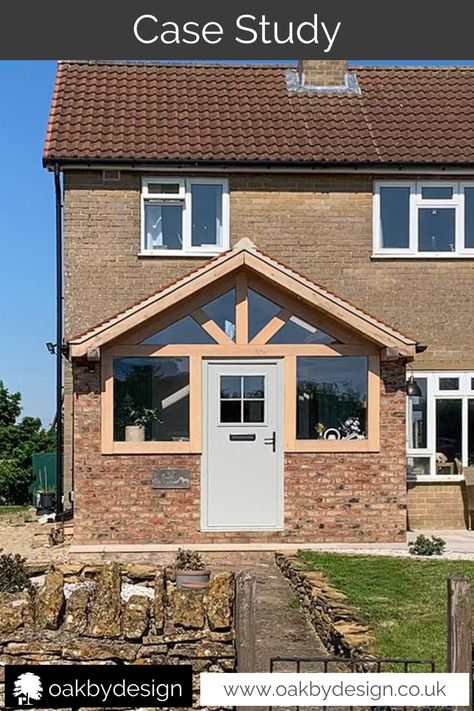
point(171, 479)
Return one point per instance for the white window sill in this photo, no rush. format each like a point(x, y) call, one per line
point(434, 479)
point(163, 253)
point(421, 255)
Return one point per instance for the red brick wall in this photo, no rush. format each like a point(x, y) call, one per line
point(328, 497)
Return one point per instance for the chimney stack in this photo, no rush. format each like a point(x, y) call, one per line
point(322, 73)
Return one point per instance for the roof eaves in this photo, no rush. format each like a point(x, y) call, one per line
point(50, 160)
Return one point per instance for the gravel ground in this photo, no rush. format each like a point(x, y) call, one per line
point(17, 535)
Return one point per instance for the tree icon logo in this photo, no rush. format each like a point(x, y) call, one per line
point(27, 688)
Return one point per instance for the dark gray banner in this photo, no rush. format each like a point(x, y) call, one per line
point(148, 29)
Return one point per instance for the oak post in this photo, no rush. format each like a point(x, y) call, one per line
point(245, 621)
point(459, 636)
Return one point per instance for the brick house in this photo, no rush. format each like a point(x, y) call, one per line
point(256, 258)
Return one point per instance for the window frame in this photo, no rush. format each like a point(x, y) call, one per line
point(372, 441)
point(184, 197)
point(416, 202)
point(433, 393)
point(111, 446)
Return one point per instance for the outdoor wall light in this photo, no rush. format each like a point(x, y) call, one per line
point(413, 389)
point(63, 349)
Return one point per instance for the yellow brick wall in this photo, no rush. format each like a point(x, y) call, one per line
point(433, 506)
point(320, 225)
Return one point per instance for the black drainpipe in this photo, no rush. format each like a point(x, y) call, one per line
point(59, 343)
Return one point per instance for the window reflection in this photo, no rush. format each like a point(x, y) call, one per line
point(151, 399)
point(448, 436)
point(222, 311)
point(261, 311)
point(186, 330)
point(417, 418)
point(332, 397)
point(295, 330)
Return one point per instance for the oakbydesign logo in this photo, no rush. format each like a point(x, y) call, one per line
point(27, 688)
point(56, 686)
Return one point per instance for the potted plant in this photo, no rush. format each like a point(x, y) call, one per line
point(136, 419)
point(46, 501)
point(191, 572)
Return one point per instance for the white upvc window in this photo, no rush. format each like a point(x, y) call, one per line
point(423, 219)
point(184, 216)
point(440, 426)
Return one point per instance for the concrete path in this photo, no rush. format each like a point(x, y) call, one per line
point(283, 628)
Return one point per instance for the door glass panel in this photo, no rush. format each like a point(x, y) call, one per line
point(151, 399)
point(448, 436)
point(261, 311)
point(253, 411)
point(436, 229)
point(253, 386)
point(332, 397)
point(222, 311)
point(418, 466)
point(470, 433)
point(231, 411)
point(231, 386)
point(295, 330)
point(242, 398)
point(186, 330)
point(417, 418)
point(163, 225)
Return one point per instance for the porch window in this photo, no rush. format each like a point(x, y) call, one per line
point(186, 330)
point(151, 399)
point(184, 216)
point(261, 311)
point(154, 380)
point(296, 330)
point(424, 219)
point(440, 426)
point(221, 310)
point(332, 398)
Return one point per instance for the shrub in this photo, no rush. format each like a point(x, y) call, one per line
point(13, 575)
point(14, 482)
point(423, 545)
point(188, 560)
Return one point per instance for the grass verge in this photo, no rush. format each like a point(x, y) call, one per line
point(4, 510)
point(402, 600)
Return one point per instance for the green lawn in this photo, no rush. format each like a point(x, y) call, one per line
point(4, 510)
point(403, 601)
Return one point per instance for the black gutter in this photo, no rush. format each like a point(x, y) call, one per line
point(222, 164)
point(59, 344)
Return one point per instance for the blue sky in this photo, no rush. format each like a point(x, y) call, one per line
point(27, 239)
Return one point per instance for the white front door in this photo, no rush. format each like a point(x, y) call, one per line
point(242, 487)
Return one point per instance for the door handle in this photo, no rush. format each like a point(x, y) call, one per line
point(271, 440)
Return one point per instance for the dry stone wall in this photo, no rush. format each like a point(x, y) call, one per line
point(112, 614)
point(334, 620)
